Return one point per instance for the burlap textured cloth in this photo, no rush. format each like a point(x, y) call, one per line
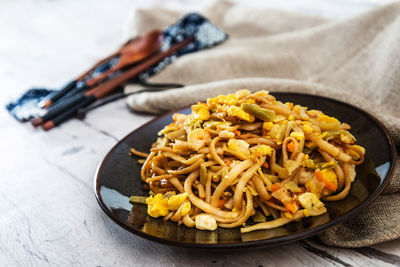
point(356, 60)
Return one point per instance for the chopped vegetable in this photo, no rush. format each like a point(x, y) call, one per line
point(138, 199)
point(259, 112)
point(259, 217)
point(275, 187)
point(292, 186)
point(252, 190)
point(328, 123)
point(291, 165)
point(203, 174)
point(291, 207)
point(309, 163)
point(221, 203)
point(290, 146)
point(329, 178)
point(241, 114)
point(265, 165)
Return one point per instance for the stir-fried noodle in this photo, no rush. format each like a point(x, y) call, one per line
point(248, 155)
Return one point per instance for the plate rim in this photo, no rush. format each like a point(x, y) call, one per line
point(280, 240)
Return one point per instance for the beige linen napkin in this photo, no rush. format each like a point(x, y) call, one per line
point(356, 60)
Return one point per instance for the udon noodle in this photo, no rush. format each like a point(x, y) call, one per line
point(248, 158)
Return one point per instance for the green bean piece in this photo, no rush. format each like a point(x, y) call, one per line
point(138, 199)
point(203, 174)
point(259, 112)
point(259, 217)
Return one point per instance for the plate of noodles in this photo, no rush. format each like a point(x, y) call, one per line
point(246, 170)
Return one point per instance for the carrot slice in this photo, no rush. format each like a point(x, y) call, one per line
point(265, 165)
point(275, 186)
point(221, 203)
point(291, 207)
point(290, 146)
point(330, 185)
point(319, 176)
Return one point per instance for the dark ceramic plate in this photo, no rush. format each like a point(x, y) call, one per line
point(118, 177)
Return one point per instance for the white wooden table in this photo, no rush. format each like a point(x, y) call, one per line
point(48, 212)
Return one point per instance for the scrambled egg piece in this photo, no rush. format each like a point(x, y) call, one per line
point(201, 112)
point(174, 202)
point(297, 135)
point(186, 208)
point(262, 150)
point(310, 201)
point(205, 222)
point(325, 118)
point(329, 175)
point(241, 114)
point(278, 118)
point(242, 93)
point(160, 205)
point(307, 128)
point(328, 123)
point(230, 99)
point(239, 146)
point(268, 125)
point(262, 93)
point(157, 206)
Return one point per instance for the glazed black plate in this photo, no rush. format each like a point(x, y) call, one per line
point(118, 177)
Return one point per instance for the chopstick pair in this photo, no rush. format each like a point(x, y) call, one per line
point(130, 53)
point(68, 108)
point(133, 51)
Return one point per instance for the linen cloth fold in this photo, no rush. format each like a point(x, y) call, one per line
point(356, 60)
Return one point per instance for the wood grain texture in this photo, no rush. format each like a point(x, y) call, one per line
point(49, 215)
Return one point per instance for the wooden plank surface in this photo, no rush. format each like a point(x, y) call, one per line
point(49, 215)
